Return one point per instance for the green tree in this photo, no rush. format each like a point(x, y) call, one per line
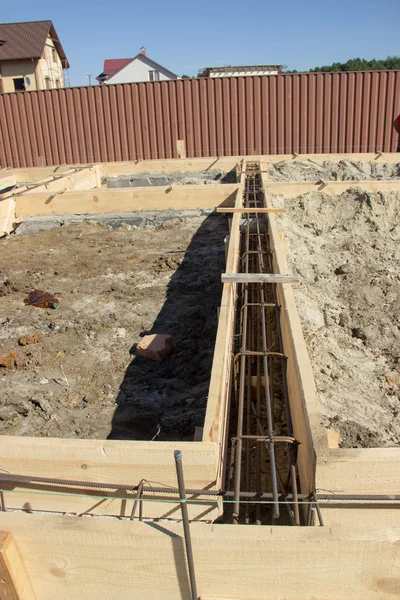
point(358, 64)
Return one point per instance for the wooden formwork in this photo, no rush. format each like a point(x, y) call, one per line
point(68, 557)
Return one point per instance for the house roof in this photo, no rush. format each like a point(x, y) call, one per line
point(112, 65)
point(23, 41)
point(126, 61)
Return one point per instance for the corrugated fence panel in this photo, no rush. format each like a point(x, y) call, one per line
point(280, 114)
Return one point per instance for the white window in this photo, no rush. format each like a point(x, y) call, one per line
point(154, 76)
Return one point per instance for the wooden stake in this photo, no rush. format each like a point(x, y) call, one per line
point(181, 148)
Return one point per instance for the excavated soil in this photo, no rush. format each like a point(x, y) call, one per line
point(78, 374)
point(347, 250)
point(344, 170)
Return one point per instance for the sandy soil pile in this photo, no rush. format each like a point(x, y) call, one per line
point(344, 170)
point(346, 249)
point(78, 375)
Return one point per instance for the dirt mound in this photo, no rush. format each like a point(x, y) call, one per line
point(345, 170)
point(347, 250)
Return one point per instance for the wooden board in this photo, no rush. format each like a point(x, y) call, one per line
point(305, 408)
point(35, 173)
point(217, 414)
point(359, 470)
point(351, 517)
point(259, 278)
point(70, 558)
point(6, 182)
point(107, 461)
point(14, 582)
point(182, 197)
point(7, 216)
point(225, 163)
point(229, 162)
point(293, 189)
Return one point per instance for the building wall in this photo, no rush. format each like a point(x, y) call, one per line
point(138, 70)
point(49, 70)
point(15, 69)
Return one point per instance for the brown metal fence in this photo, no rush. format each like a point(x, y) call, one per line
point(280, 114)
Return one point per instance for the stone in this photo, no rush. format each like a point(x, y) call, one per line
point(156, 346)
point(8, 413)
point(27, 339)
point(393, 378)
point(9, 360)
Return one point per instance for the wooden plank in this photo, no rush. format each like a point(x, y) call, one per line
point(6, 182)
point(215, 424)
point(359, 470)
point(76, 501)
point(108, 461)
point(7, 216)
point(350, 517)
point(193, 164)
point(175, 165)
point(247, 211)
point(14, 582)
point(259, 278)
point(305, 409)
point(183, 197)
point(293, 189)
point(68, 558)
point(35, 174)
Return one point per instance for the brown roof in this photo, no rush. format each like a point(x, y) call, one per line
point(22, 41)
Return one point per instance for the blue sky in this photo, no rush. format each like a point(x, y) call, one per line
point(193, 35)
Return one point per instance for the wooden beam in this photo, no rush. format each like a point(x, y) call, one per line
point(253, 210)
point(294, 189)
point(105, 559)
point(304, 405)
point(359, 470)
point(259, 278)
point(7, 216)
point(184, 197)
point(215, 424)
point(14, 582)
point(174, 165)
point(6, 182)
point(106, 461)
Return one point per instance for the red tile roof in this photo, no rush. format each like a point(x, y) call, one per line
point(22, 41)
point(112, 65)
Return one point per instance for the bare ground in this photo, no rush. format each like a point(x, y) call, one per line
point(346, 249)
point(344, 170)
point(82, 377)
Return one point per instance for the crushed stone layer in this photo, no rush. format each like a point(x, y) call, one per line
point(79, 375)
point(344, 170)
point(347, 250)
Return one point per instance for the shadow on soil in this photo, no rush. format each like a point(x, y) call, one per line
point(166, 400)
